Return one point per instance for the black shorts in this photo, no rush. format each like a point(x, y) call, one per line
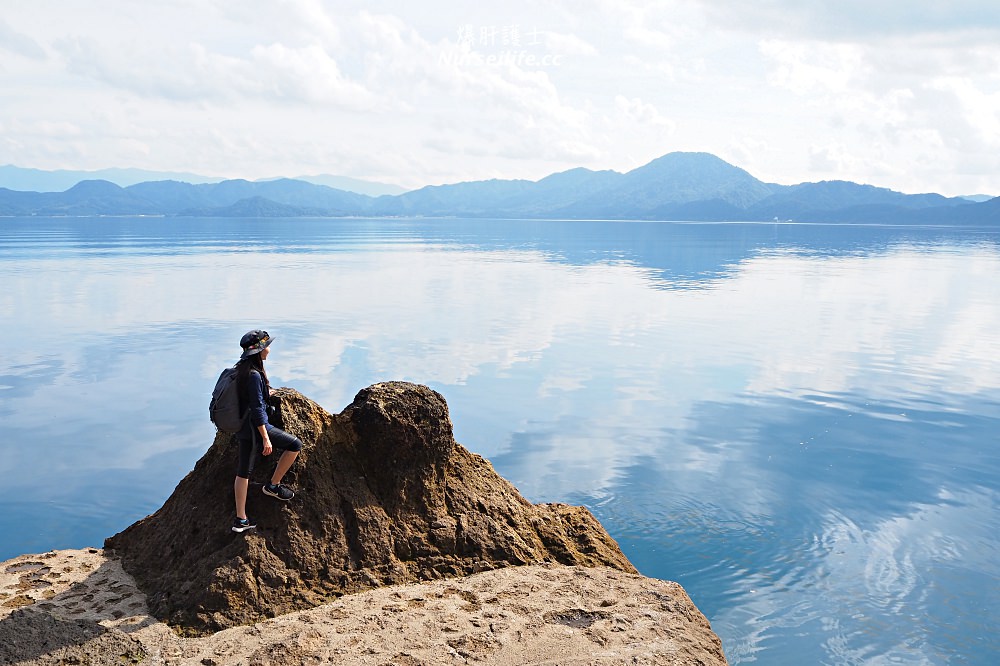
point(251, 449)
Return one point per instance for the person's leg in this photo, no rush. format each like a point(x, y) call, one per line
point(290, 445)
point(284, 463)
point(240, 489)
point(244, 467)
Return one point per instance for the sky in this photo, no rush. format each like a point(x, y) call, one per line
point(894, 93)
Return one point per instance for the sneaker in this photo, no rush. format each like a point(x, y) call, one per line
point(243, 524)
point(280, 491)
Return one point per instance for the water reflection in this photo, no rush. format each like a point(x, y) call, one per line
point(796, 422)
point(875, 529)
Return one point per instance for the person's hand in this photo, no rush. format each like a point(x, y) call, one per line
point(267, 447)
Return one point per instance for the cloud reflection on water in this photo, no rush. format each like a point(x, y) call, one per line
point(780, 324)
point(726, 398)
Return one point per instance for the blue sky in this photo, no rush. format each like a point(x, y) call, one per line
point(898, 94)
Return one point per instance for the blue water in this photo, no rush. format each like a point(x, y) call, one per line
point(799, 423)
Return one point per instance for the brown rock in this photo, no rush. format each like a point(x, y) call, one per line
point(41, 639)
point(539, 615)
point(384, 496)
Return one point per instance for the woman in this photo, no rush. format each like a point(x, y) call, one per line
point(257, 434)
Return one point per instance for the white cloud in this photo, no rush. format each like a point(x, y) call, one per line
point(19, 44)
point(635, 110)
point(750, 152)
point(367, 89)
point(306, 74)
point(806, 67)
point(978, 108)
point(516, 109)
point(858, 20)
point(565, 44)
point(894, 110)
point(831, 158)
point(309, 19)
point(194, 73)
point(656, 25)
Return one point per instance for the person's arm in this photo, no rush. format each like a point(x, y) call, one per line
point(258, 410)
point(262, 429)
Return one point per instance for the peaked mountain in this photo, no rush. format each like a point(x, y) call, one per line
point(675, 178)
point(88, 197)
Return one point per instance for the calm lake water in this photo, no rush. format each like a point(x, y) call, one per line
point(799, 423)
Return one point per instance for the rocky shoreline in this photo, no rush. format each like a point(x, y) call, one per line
point(81, 607)
point(401, 547)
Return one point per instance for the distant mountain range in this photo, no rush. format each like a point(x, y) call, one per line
point(38, 180)
point(677, 186)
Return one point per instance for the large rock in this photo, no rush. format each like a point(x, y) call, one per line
point(80, 607)
point(385, 496)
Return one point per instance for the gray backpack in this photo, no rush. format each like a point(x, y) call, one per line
point(224, 409)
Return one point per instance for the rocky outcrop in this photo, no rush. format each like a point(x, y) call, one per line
point(385, 496)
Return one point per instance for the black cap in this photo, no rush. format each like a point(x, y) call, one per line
point(254, 342)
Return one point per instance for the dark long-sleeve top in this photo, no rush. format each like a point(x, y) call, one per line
point(256, 398)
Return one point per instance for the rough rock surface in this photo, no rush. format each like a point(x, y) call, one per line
point(385, 496)
point(80, 607)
